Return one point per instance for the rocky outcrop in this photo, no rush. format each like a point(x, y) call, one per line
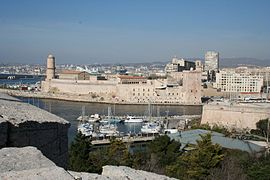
point(3, 132)
point(122, 172)
point(119, 173)
point(29, 163)
point(23, 125)
point(89, 176)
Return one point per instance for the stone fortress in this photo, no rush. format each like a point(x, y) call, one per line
point(182, 86)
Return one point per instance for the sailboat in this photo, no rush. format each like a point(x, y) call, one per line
point(110, 119)
point(93, 118)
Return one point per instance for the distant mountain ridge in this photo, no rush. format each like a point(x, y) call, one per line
point(234, 62)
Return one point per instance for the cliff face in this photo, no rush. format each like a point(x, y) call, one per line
point(23, 125)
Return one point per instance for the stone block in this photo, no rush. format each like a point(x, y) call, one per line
point(3, 132)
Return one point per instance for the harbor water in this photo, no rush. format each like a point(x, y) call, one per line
point(72, 110)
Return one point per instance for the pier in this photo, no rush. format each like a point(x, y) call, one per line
point(126, 139)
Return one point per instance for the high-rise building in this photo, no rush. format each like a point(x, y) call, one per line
point(211, 61)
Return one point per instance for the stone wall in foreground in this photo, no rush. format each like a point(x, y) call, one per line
point(23, 125)
point(29, 163)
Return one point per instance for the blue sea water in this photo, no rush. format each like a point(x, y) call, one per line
point(16, 79)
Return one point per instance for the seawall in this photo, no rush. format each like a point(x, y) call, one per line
point(82, 98)
point(235, 116)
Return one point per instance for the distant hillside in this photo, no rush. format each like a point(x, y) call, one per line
point(234, 62)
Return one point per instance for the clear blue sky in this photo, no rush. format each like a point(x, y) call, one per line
point(89, 31)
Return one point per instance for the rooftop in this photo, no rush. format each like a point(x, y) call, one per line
point(71, 72)
point(191, 137)
point(131, 77)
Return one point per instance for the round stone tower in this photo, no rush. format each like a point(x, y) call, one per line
point(50, 67)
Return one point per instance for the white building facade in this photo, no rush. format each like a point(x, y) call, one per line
point(230, 81)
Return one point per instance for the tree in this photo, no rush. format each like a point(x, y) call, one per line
point(163, 151)
point(118, 153)
point(195, 164)
point(261, 128)
point(260, 168)
point(97, 159)
point(232, 166)
point(79, 153)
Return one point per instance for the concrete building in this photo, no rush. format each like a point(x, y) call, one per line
point(211, 65)
point(211, 61)
point(179, 65)
point(50, 73)
point(242, 83)
point(258, 71)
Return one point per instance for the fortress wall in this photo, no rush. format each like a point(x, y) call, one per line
point(68, 86)
point(26, 125)
point(192, 87)
point(238, 117)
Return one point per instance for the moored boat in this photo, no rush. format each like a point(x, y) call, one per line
point(151, 128)
point(133, 119)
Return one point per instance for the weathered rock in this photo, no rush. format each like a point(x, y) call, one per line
point(123, 172)
point(88, 176)
point(27, 125)
point(7, 97)
point(28, 163)
point(18, 159)
point(54, 173)
point(3, 132)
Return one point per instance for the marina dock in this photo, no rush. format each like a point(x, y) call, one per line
point(126, 139)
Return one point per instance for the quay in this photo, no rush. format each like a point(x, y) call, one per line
point(126, 139)
point(83, 98)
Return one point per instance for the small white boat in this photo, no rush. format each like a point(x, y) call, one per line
point(170, 131)
point(151, 128)
point(133, 119)
point(111, 120)
point(92, 118)
point(109, 129)
point(86, 129)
